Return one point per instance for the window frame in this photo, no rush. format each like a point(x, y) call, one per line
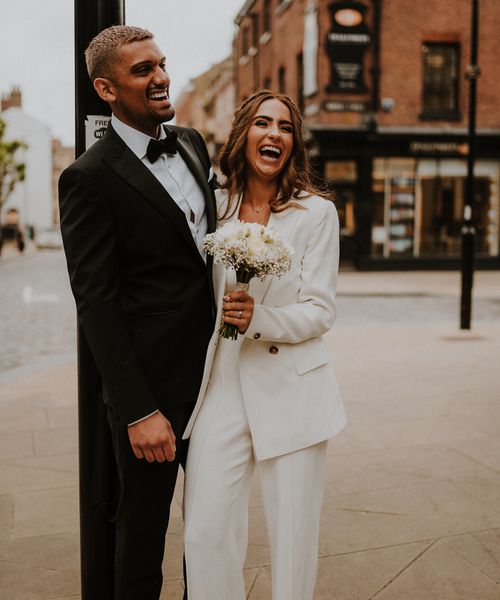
point(267, 17)
point(442, 114)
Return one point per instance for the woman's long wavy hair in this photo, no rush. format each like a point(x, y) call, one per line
point(294, 179)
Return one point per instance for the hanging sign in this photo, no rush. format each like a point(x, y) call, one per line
point(346, 45)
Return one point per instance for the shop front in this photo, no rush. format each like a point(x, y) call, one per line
point(400, 197)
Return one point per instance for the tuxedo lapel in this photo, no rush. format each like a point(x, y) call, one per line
point(192, 161)
point(129, 168)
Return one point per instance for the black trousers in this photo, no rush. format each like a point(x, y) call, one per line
point(141, 520)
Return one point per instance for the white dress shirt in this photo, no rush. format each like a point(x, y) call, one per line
point(173, 173)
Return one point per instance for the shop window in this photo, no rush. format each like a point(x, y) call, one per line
point(418, 206)
point(342, 177)
point(443, 189)
point(394, 208)
point(440, 81)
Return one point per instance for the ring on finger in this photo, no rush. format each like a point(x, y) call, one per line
point(239, 314)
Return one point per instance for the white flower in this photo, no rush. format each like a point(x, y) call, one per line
point(251, 248)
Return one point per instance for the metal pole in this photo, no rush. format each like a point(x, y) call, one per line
point(97, 473)
point(468, 232)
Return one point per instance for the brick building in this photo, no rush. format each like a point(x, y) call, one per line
point(382, 87)
point(207, 104)
point(62, 157)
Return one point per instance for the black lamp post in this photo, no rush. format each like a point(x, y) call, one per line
point(468, 232)
point(96, 463)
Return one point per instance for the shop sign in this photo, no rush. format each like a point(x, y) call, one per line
point(345, 106)
point(346, 44)
point(341, 171)
point(448, 148)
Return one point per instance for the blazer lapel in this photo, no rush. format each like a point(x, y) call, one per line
point(284, 223)
point(127, 166)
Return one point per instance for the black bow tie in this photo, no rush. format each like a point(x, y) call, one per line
point(157, 147)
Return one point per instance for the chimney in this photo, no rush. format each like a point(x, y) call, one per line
point(12, 99)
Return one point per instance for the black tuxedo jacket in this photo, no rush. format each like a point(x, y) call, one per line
point(144, 294)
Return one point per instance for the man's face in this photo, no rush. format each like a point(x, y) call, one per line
point(138, 87)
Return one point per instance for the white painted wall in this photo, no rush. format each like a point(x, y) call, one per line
point(33, 197)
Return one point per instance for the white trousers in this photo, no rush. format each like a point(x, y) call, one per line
point(217, 487)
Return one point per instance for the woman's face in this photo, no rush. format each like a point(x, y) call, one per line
point(269, 140)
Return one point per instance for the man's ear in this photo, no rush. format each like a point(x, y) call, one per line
point(105, 89)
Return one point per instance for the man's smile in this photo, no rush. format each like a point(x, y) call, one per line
point(159, 95)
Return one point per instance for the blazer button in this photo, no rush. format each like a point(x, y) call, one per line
point(256, 336)
point(273, 350)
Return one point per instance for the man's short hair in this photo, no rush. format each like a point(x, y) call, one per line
point(101, 53)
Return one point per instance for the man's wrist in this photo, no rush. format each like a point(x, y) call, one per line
point(143, 418)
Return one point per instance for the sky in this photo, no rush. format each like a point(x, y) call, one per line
point(37, 41)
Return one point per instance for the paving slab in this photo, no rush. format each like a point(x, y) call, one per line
point(481, 549)
point(18, 479)
point(358, 576)
point(440, 573)
point(58, 552)
point(45, 511)
point(21, 582)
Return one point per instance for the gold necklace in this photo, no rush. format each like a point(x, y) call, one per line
point(256, 210)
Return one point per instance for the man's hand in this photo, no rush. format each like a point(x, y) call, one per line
point(153, 439)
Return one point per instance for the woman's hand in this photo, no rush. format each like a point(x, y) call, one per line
point(238, 310)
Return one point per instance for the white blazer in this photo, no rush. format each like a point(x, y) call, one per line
point(290, 391)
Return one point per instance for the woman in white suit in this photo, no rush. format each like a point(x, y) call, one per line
point(268, 401)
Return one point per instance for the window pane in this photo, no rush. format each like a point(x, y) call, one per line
point(440, 64)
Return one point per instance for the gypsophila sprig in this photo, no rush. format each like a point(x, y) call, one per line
point(252, 250)
point(251, 247)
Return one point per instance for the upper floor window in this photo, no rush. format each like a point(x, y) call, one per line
point(255, 30)
point(440, 84)
point(245, 45)
point(266, 16)
point(282, 80)
point(300, 81)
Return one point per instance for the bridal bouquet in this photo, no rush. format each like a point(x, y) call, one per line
point(252, 250)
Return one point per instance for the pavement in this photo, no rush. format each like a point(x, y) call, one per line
point(412, 501)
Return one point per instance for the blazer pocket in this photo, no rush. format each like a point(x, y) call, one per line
point(310, 355)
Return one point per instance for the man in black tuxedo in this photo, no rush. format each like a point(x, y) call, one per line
point(134, 210)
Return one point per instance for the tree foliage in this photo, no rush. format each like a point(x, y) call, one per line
point(11, 171)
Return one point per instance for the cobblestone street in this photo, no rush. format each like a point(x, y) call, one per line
point(37, 315)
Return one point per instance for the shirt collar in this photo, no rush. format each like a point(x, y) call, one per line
point(135, 139)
